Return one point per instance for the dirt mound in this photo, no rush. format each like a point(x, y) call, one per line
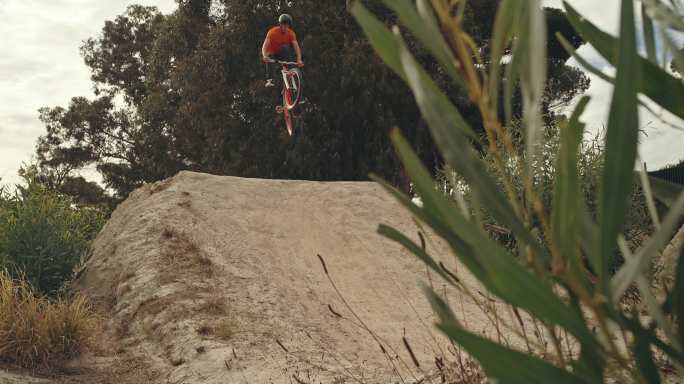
point(16, 378)
point(217, 280)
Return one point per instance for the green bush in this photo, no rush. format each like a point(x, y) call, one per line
point(637, 223)
point(559, 274)
point(43, 236)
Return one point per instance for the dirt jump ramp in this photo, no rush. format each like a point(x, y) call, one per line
point(217, 280)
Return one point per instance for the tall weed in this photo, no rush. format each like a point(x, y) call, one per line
point(559, 270)
point(38, 333)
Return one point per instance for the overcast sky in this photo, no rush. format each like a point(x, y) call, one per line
point(40, 66)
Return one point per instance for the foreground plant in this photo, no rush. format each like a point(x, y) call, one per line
point(44, 236)
point(38, 333)
point(560, 276)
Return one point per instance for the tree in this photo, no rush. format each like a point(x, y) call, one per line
point(193, 97)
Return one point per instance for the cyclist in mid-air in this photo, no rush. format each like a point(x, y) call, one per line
point(278, 46)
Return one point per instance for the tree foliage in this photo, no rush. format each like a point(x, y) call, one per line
point(185, 91)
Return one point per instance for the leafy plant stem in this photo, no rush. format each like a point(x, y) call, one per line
point(556, 344)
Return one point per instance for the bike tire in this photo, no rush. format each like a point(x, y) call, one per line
point(295, 88)
point(286, 112)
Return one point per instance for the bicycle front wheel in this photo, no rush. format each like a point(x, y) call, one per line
point(288, 121)
point(294, 78)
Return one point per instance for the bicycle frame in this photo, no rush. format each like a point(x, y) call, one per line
point(288, 88)
point(284, 71)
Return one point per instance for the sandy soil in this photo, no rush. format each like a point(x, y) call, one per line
point(208, 279)
point(7, 377)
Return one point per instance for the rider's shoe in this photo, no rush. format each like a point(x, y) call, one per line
point(270, 83)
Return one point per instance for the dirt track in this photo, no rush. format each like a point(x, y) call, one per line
point(216, 280)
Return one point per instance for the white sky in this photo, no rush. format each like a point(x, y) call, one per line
point(660, 144)
point(40, 65)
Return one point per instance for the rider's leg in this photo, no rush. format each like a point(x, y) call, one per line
point(271, 68)
point(286, 53)
point(269, 74)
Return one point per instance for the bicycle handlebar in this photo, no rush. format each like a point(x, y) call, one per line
point(281, 62)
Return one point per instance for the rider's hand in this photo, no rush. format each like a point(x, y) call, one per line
point(300, 63)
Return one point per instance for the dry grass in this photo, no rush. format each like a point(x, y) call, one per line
point(36, 333)
point(216, 305)
point(160, 186)
point(224, 329)
point(181, 253)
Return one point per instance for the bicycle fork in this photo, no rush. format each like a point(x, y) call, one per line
point(287, 82)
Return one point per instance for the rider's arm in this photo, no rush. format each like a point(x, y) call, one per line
point(264, 54)
point(298, 51)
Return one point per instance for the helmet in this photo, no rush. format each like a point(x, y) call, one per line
point(285, 19)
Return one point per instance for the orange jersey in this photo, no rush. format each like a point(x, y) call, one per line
point(278, 39)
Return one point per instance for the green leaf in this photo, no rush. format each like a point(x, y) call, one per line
point(456, 149)
point(675, 49)
point(664, 191)
point(595, 71)
point(664, 14)
point(532, 36)
point(502, 365)
point(621, 143)
point(584, 63)
point(447, 125)
point(497, 269)
point(634, 326)
point(664, 89)
point(677, 295)
point(642, 258)
point(644, 359)
point(380, 38)
point(648, 195)
point(651, 303)
point(567, 199)
point(410, 245)
point(507, 19)
point(426, 31)
point(512, 80)
point(649, 35)
point(457, 244)
point(388, 47)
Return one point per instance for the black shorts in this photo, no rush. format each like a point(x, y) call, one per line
point(284, 54)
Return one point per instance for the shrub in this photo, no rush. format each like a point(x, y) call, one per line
point(38, 333)
point(637, 224)
point(43, 236)
point(590, 336)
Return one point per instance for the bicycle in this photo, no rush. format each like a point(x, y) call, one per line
point(292, 90)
